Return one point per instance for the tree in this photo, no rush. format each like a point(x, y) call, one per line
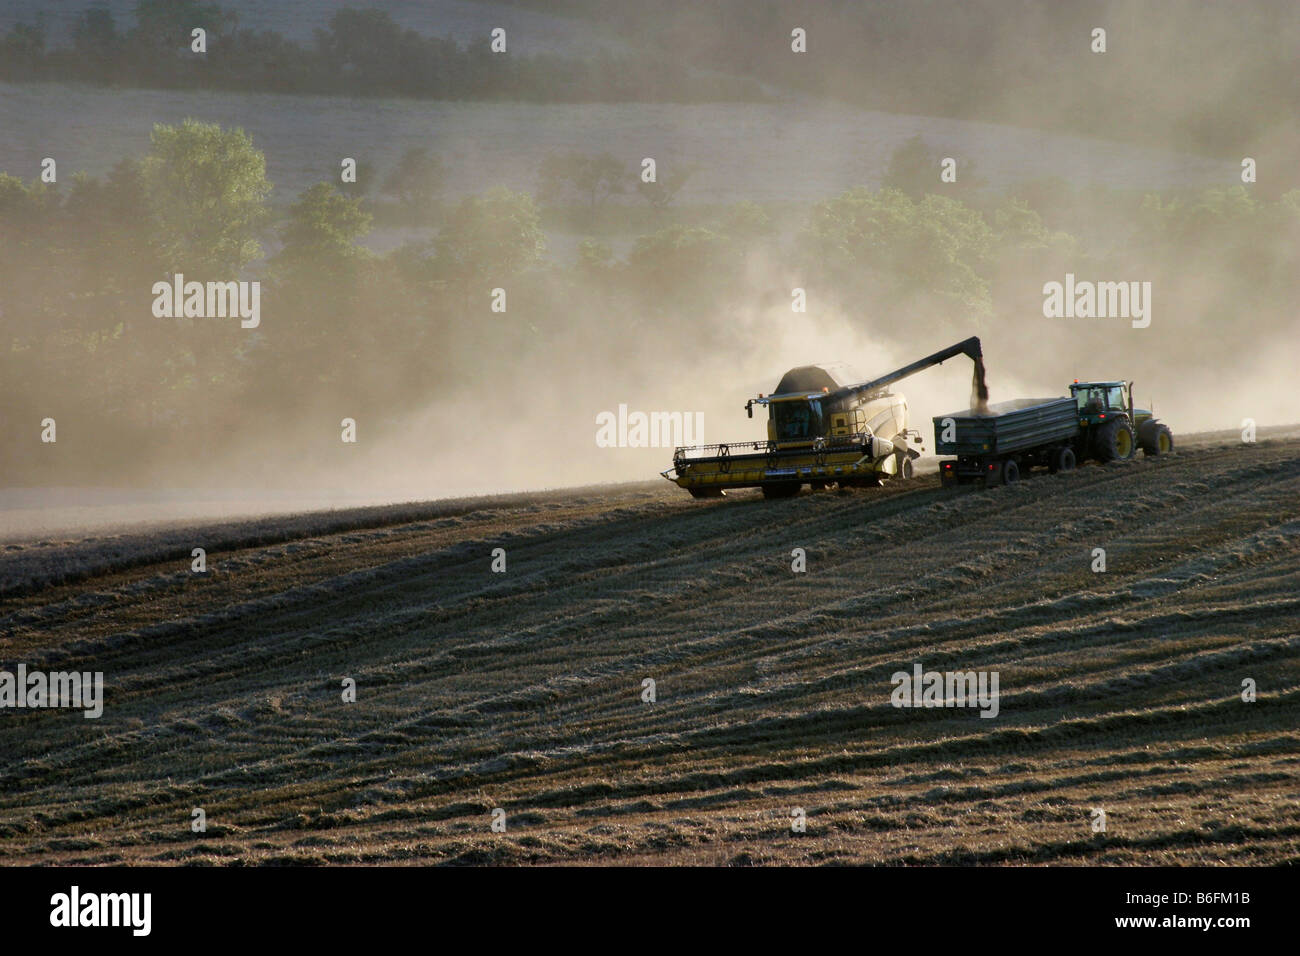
point(166, 24)
point(207, 189)
point(113, 238)
point(371, 50)
point(497, 234)
point(882, 245)
point(28, 255)
point(94, 36)
point(747, 222)
point(364, 184)
point(323, 228)
point(321, 276)
point(593, 179)
point(1218, 212)
point(1016, 225)
point(914, 169)
point(594, 257)
point(23, 49)
point(417, 181)
point(664, 189)
point(680, 269)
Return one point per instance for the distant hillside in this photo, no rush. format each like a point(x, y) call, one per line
point(445, 51)
point(1212, 77)
point(534, 31)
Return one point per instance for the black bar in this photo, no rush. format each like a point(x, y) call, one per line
point(911, 906)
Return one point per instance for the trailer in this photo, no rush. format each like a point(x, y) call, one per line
point(997, 446)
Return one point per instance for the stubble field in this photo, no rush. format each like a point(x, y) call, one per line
point(523, 691)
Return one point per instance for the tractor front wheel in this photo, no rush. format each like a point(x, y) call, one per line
point(1159, 442)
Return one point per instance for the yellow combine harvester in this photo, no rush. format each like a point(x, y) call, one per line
point(821, 429)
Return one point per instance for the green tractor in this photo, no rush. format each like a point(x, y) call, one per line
point(1111, 429)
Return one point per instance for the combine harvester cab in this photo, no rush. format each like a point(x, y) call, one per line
point(823, 427)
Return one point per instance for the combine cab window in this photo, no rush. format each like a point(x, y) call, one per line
point(796, 420)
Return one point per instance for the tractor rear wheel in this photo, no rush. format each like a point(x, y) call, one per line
point(785, 489)
point(1160, 441)
point(1115, 441)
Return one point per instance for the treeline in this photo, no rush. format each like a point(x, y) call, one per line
point(361, 52)
point(480, 312)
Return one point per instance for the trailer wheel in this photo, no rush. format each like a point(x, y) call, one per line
point(1062, 460)
point(1010, 472)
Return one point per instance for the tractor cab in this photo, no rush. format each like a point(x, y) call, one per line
point(1100, 402)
